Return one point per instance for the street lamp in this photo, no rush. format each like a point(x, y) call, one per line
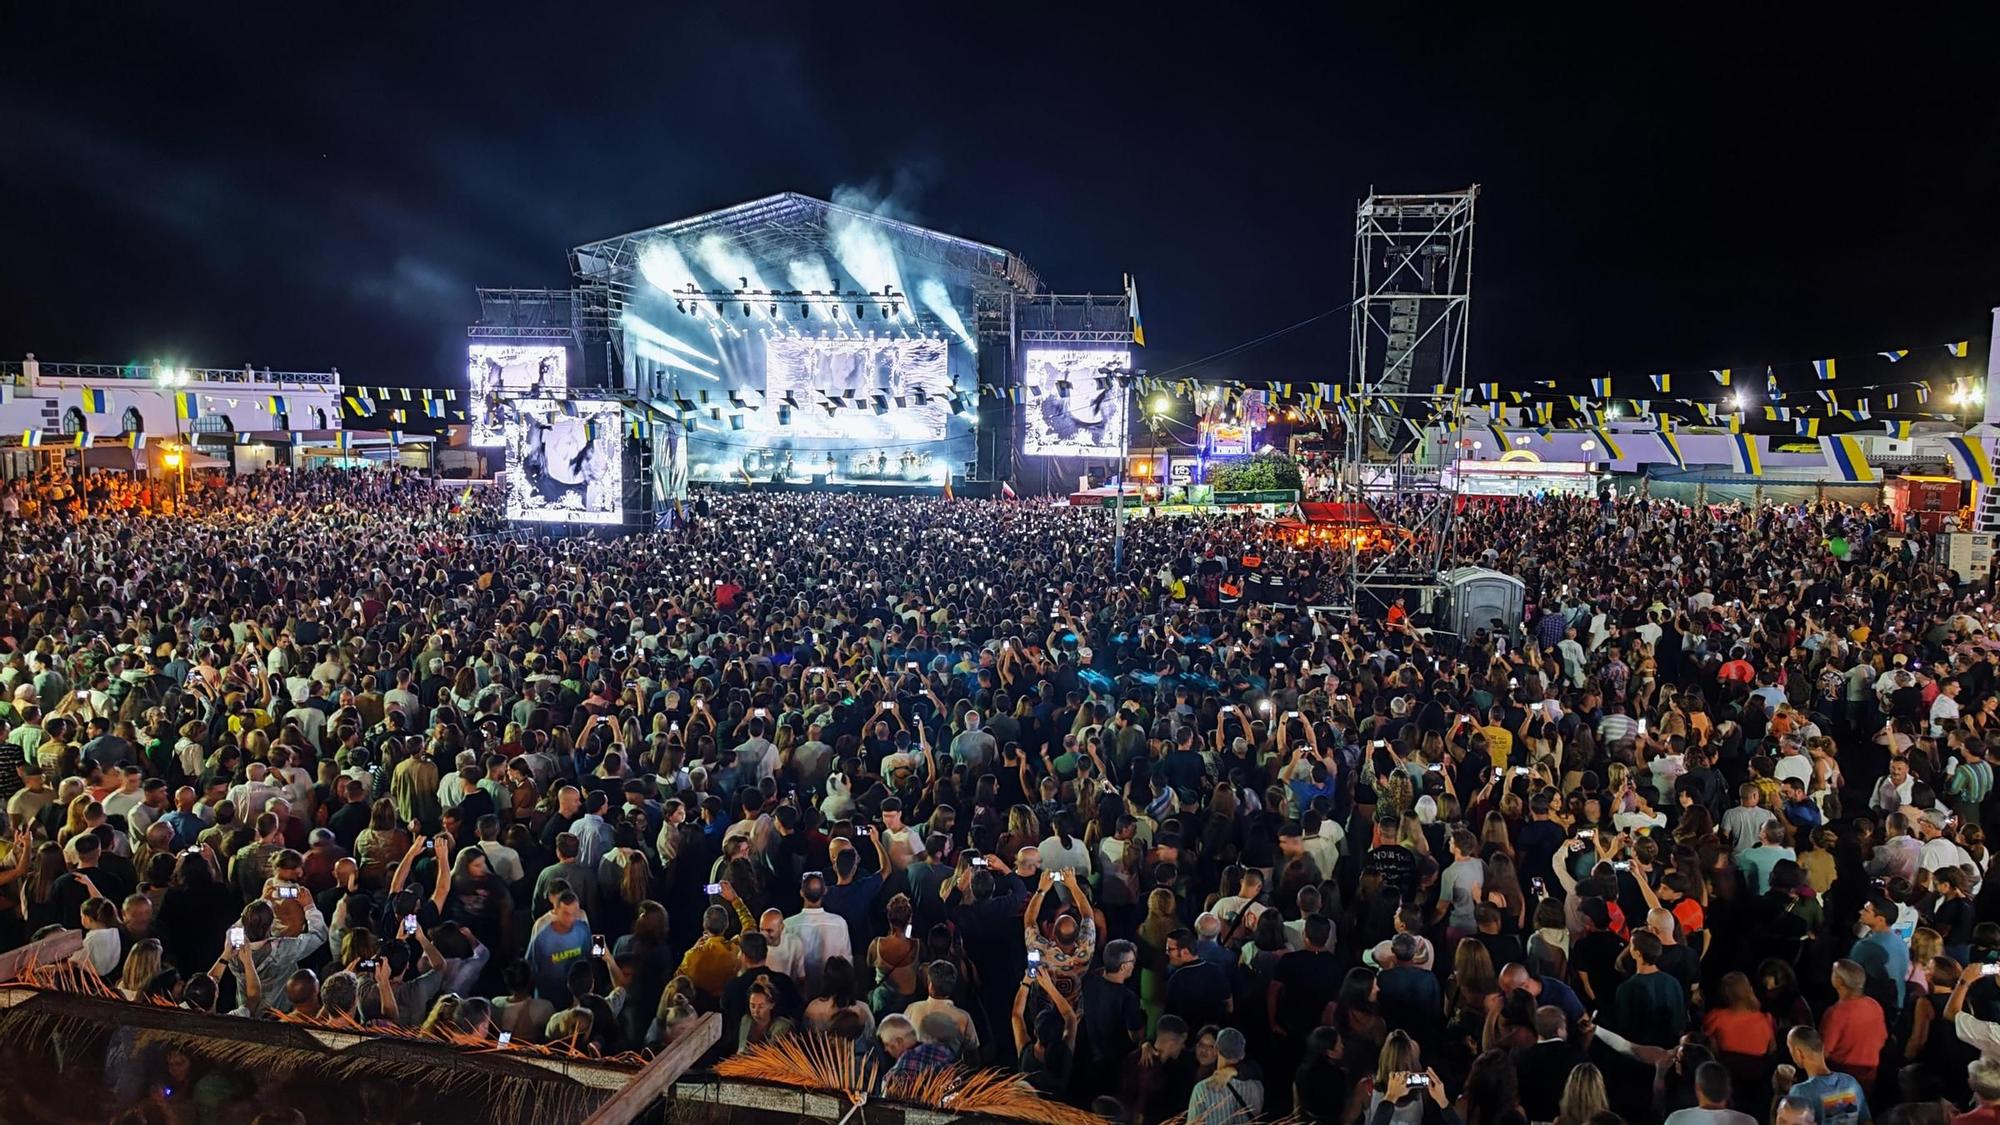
point(171, 458)
point(1123, 377)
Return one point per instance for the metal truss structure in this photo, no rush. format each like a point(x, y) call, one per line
point(1406, 370)
point(540, 314)
point(777, 228)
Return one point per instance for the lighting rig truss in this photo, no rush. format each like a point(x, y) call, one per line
point(1406, 375)
point(885, 303)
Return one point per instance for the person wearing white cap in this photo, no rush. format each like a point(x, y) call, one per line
point(1939, 850)
point(973, 746)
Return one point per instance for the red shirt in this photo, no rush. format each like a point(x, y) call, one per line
point(1854, 1033)
point(1738, 671)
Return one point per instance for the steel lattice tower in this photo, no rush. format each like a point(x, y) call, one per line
point(1406, 372)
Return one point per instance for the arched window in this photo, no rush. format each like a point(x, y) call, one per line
point(211, 424)
point(72, 422)
point(133, 422)
point(319, 418)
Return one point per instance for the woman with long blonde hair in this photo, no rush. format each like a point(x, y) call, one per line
point(1162, 918)
point(1583, 1096)
point(142, 964)
point(1410, 834)
point(1399, 1055)
point(75, 822)
point(1494, 838)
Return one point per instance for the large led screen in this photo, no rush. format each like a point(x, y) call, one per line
point(909, 380)
point(499, 374)
point(564, 462)
point(1070, 407)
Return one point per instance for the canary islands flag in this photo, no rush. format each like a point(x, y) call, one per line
point(1959, 349)
point(96, 401)
point(187, 406)
point(1744, 456)
point(1132, 307)
point(1673, 444)
point(1824, 368)
point(1843, 456)
point(1663, 383)
point(1968, 455)
point(1601, 387)
point(1611, 450)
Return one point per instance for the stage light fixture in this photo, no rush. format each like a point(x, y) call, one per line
point(805, 312)
point(860, 311)
point(746, 310)
point(774, 312)
point(681, 306)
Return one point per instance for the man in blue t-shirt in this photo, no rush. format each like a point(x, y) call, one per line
point(1880, 952)
point(556, 947)
point(1836, 1097)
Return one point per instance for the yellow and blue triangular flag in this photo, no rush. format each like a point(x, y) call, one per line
point(1611, 450)
point(96, 401)
point(277, 405)
point(1722, 375)
point(1601, 387)
point(1673, 444)
point(1899, 430)
point(1744, 456)
point(30, 438)
point(343, 441)
point(187, 406)
point(434, 407)
point(84, 440)
point(1663, 383)
point(1824, 368)
point(134, 439)
point(1968, 454)
point(1959, 349)
point(1843, 456)
point(1806, 427)
point(1894, 354)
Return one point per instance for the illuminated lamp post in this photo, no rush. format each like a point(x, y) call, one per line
point(172, 458)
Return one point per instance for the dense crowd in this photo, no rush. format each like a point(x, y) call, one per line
point(1700, 836)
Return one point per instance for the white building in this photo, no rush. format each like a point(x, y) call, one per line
point(248, 418)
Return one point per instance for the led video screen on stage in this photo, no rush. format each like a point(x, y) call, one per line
point(498, 374)
point(564, 461)
point(1069, 406)
point(909, 380)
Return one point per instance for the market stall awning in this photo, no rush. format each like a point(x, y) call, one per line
point(1337, 514)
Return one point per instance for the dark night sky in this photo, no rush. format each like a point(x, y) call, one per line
point(301, 191)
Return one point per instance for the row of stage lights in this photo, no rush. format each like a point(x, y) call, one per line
point(886, 301)
point(718, 329)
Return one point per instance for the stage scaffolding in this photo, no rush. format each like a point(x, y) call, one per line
point(1406, 372)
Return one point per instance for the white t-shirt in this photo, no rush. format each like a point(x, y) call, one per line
point(1795, 766)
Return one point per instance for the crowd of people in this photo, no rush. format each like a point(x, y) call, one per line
point(1699, 837)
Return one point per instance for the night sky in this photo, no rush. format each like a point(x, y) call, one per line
point(303, 191)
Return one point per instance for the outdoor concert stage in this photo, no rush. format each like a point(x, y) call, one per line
point(789, 342)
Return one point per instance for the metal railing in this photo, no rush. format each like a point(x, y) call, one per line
point(15, 371)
